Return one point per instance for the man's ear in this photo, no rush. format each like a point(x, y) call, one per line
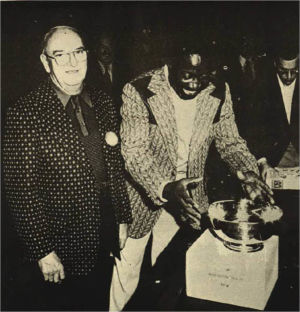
point(45, 63)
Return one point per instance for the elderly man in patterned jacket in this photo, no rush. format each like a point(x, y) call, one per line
point(170, 116)
point(64, 177)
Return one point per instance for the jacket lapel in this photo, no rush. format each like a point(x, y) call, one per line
point(295, 106)
point(164, 112)
point(207, 106)
point(61, 128)
point(294, 126)
point(105, 125)
point(102, 113)
point(279, 108)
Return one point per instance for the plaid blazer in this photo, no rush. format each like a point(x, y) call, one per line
point(149, 143)
point(49, 182)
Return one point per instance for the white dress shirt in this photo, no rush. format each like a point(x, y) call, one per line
point(290, 157)
point(103, 68)
point(185, 111)
point(287, 96)
point(242, 61)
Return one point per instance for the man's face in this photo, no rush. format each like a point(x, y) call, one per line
point(287, 70)
point(71, 74)
point(190, 76)
point(251, 47)
point(105, 51)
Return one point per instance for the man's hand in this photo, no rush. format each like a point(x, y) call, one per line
point(52, 268)
point(256, 189)
point(123, 234)
point(178, 191)
point(266, 169)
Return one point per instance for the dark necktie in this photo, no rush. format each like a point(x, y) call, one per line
point(106, 75)
point(107, 83)
point(83, 116)
point(84, 120)
point(76, 102)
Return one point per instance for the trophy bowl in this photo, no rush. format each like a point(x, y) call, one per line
point(242, 226)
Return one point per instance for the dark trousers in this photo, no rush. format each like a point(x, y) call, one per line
point(288, 201)
point(30, 292)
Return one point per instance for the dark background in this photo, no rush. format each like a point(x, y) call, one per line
point(24, 23)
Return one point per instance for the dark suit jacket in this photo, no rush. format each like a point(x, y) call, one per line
point(221, 183)
point(270, 133)
point(246, 95)
point(96, 78)
point(49, 181)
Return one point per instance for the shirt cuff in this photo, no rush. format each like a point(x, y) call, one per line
point(161, 189)
point(262, 161)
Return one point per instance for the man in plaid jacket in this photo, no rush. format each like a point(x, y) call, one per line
point(170, 116)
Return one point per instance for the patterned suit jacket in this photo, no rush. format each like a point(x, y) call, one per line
point(149, 143)
point(49, 181)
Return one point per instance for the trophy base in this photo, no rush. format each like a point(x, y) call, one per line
point(251, 246)
point(219, 273)
point(242, 247)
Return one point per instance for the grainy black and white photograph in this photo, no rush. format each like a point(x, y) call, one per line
point(150, 156)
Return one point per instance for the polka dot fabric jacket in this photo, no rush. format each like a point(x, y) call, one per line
point(49, 181)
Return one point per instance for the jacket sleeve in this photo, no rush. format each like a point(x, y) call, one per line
point(22, 181)
point(232, 148)
point(140, 161)
point(120, 199)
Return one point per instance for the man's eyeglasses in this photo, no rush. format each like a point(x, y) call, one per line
point(62, 59)
point(287, 71)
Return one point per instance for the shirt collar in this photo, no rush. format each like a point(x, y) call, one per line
point(103, 67)
point(291, 86)
point(64, 98)
point(242, 61)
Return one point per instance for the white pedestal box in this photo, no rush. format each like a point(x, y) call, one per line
point(216, 273)
point(290, 181)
